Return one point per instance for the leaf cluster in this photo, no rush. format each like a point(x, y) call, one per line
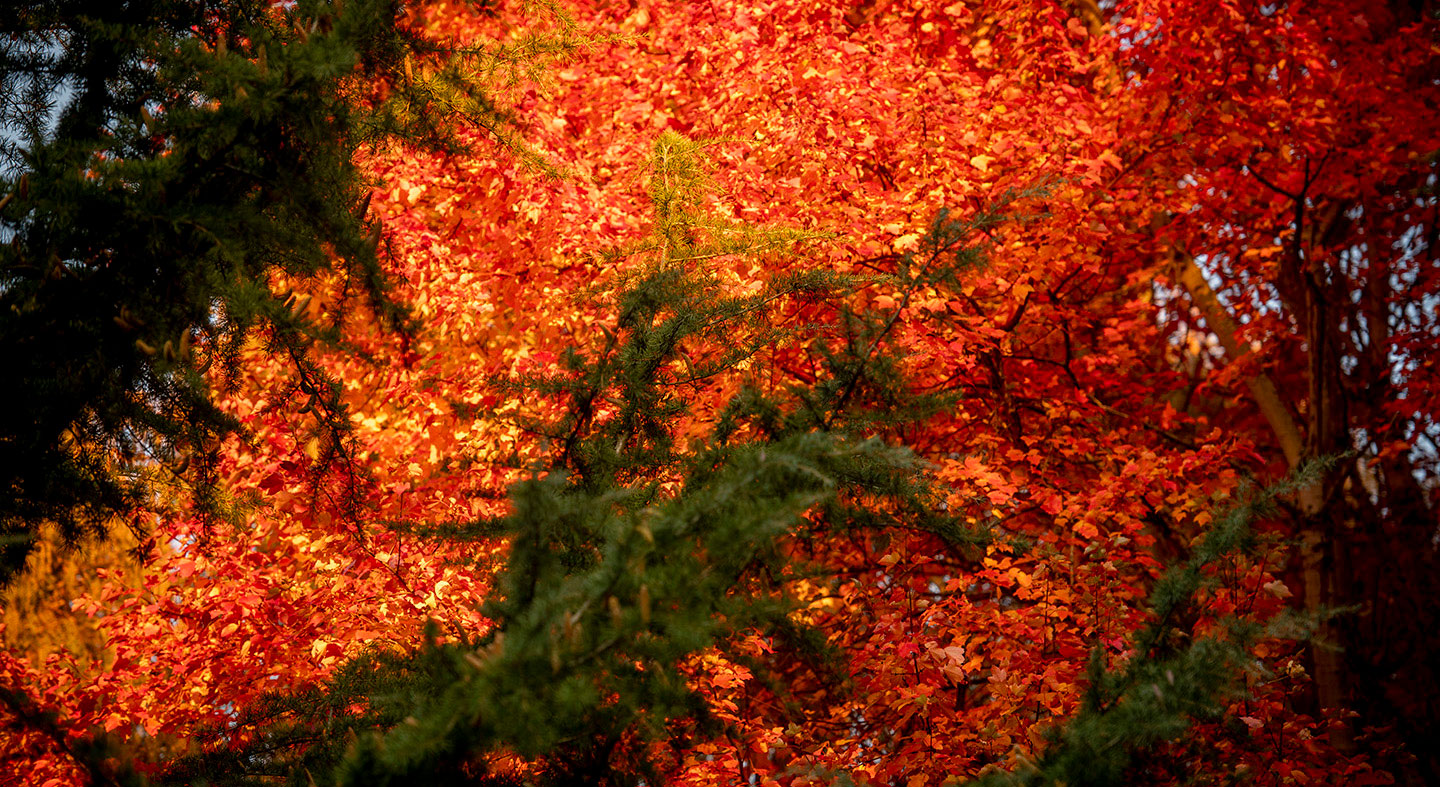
point(172, 171)
point(1172, 680)
point(630, 553)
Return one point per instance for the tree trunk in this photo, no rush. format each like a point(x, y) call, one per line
point(1317, 537)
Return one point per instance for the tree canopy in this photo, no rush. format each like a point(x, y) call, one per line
point(787, 392)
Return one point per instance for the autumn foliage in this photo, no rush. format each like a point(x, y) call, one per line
point(1193, 256)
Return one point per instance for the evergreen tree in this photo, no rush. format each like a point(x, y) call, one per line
point(164, 161)
point(198, 151)
point(1170, 680)
point(633, 550)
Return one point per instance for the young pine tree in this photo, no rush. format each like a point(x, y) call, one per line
point(654, 532)
point(658, 530)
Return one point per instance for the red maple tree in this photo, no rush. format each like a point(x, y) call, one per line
point(1227, 272)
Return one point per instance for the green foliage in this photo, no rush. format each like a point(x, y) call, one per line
point(629, 554)
point(1170, 681)
point(200, 151)
point(163, 161)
